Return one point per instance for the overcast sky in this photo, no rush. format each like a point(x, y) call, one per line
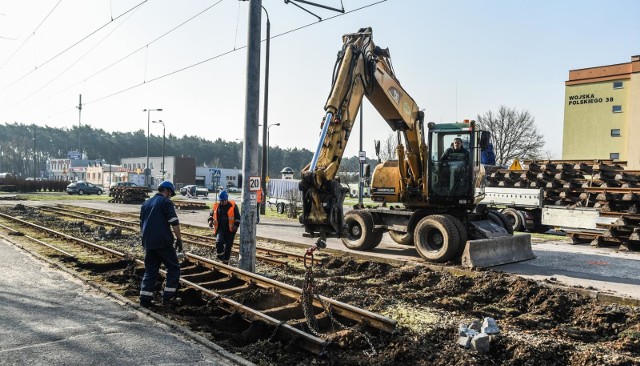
point(456, 58)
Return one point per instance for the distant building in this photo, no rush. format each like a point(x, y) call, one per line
point(105, 174)
point(287, 173)
point(68, 169)
point(602, 113)
point(181, 171)
point(213, 178)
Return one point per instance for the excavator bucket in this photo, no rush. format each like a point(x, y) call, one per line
point(497, 250)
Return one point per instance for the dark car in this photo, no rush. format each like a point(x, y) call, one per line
point(82, 187)
point(123, 184)
point(194, 191)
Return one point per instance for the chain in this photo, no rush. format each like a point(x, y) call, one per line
point(309, 291)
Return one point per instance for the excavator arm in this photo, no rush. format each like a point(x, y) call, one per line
point(362, 69)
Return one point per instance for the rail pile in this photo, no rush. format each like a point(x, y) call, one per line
point(601, 184)
point(188, 205)
point(128, 194)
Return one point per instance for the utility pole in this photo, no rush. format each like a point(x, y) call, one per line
point(79, 124)
point(34, 153)
point(265, 132)
point(247, 259)
point(360, 177)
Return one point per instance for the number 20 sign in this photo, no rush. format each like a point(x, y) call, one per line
point(254, 184)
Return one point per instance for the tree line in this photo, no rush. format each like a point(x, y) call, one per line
point(25, 149)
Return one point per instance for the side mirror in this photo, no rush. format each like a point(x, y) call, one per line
point(366, 170)
point(485, 137)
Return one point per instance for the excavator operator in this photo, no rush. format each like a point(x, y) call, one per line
point(456, 152)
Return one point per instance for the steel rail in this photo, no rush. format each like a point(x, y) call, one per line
point(266, 251)
point(305, 340)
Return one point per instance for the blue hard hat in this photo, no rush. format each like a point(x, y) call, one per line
point(168, 184)
point(223, 196)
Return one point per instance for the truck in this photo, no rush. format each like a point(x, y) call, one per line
point(426, 199)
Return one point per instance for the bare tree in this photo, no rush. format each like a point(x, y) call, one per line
point(514, 134)
point(388, 148)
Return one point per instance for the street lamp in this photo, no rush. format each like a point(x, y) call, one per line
point(266, 108)
point(163, 139)
point(147, 171)
point(269, 128)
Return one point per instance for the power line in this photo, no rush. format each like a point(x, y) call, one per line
point(30, 35)
point(131, 87)
point(70, 47)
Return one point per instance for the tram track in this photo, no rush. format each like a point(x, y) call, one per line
point(269, 255)
point(272, 302)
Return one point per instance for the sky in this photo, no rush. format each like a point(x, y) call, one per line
point(457, 59)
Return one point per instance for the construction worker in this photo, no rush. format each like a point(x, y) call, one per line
point(259, 202)
point(157, 218)
point(225, 220)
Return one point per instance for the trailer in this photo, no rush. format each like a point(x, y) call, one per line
point(524, 210)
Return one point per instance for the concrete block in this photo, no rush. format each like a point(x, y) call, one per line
point(481, 343)
point(489, 326)
point(464, 341)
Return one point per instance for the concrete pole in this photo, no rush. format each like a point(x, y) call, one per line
point(265, 145)
point(247, 259)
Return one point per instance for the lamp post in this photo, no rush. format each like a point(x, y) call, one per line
point(268, 129)
point(146, 168)
point(163, 139)
point(265, 129)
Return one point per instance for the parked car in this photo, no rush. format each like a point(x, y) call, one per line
point(123, 184)
point(195, 191)
point(234, 190)
point(82, 187)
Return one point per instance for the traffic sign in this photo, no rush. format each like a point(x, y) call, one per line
point(254, 184)
point(215, 173)
point(363, 156)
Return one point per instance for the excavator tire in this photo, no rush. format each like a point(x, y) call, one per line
point(499, 219)
point(462, 231)
point(360, 232)
point(514, 218)
point(436, 239)
point(401, 238)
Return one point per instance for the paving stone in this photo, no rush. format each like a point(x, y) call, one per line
point(481, 343)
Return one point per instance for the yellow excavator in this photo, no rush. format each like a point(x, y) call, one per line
point(429, 195)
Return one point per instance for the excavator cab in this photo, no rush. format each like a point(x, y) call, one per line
point(453, 164)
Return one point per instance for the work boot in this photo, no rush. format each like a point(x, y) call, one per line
point(146, 304)
point(171, 303)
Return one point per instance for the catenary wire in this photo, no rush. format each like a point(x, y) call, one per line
point(70, 47)
point(30, 35)
point(131, 87)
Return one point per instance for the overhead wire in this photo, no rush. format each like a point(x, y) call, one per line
point(235, 49)
point(225, 54)
point(30, 35)
point(71, 46)
point(145, 47)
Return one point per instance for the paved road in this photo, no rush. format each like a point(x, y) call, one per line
point(602, 269)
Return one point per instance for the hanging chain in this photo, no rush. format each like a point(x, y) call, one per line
point(309, 291)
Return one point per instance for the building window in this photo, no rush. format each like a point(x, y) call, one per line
point(616, 109)
point(617, 84)
point(615, 132)
point(614, 156)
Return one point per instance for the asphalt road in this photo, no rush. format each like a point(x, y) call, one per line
point(558, 261)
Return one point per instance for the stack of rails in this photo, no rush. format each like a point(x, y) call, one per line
point(601, 184)
point(128, 194)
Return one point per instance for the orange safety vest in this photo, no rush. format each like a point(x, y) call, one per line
point(230, 215)
point(259, 197)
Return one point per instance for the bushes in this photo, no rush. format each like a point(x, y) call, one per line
point(25, 186)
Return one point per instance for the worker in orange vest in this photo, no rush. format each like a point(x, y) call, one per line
point(225, 220)
point(260, 202)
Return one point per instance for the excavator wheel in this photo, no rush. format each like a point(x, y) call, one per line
point(514, 218)
point(360, 232)
point(499, 219)
point(462, 231)
point(436, 239)
point(401, 238)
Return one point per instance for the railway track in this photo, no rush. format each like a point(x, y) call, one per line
point(271, 302)
point(269, 255)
